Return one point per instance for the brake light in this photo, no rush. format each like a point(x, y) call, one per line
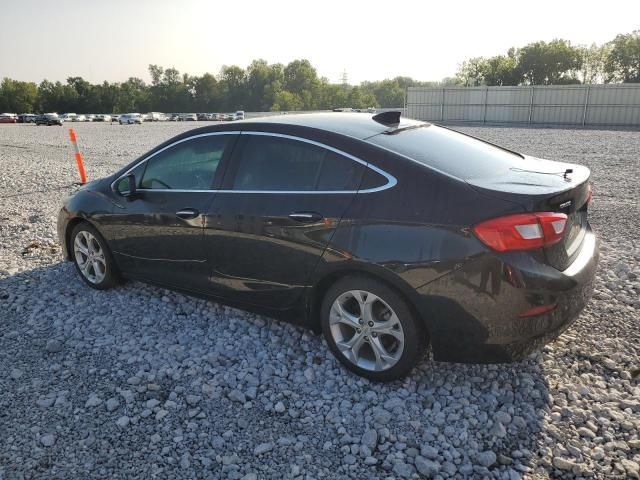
point(522, 231)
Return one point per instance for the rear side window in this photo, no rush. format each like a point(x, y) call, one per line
point(190, 165)
point(269, 163)
point(450, 152)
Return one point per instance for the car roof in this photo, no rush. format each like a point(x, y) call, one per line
point(356, 125)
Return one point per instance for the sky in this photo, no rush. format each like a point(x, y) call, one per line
point(370, 40)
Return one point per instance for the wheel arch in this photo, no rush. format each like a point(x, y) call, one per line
point(322, 285)
point(71, 224)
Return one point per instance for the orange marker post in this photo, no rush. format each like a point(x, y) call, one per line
point(79, 162)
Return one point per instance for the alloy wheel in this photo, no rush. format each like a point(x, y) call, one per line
point(89, 257)
point(366, 330)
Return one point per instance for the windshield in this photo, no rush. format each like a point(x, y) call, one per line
point(450, 152)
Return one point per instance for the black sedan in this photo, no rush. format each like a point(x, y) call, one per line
point(387, 235)
point(48, 119)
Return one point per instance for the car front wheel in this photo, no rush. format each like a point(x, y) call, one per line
point(92, 258)
point(371, 329)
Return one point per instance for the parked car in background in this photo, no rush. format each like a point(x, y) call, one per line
point(115, 117)
point(102, 118)
point(239, 115)
point(8, 118)
point(89, 118)
point(48, 119)
point(154, 117)
point(387, 235)
point(79, 118)
point(189, 117)
point(26, 118)
point(68, 117)
point(130, 119)
point(174, 117)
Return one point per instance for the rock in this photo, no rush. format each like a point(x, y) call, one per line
point(429, 452)
point(93, 401)
point(123, 421)
point(402, 469)
point(185, 461)
point(112, 404)
point(486, 458)
point(370, 439)
point(263, 448)
point(563, 464)
point(370, 461)
point(279, 407)
point(152, 403)
point(16, 373)
point(161, 414)
point(45, 402)
point(631, 467)
point(349, 460)
point(48, 440)
point(426, 467)
point(193, 399)
point(53, 346)
point(498, 430)
point(237, 396)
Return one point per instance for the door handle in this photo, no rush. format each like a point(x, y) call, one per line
point(187, 213)
point(305, 217)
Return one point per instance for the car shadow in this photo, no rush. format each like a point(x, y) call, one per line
point(160, 345)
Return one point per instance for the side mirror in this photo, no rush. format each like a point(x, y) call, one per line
point(126, 186)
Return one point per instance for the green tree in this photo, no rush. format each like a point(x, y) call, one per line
point(593, 63)
point(286, 101)
point(623, 61)
point(18, 97)
point(502, 70)
point(550, 63)
point(233, 85)
point(471, 72)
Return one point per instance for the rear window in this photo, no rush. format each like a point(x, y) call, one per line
point(449, 152)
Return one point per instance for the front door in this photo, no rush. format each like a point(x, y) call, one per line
point(159, 232)
point(267, 229)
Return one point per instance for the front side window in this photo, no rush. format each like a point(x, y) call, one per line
point(269, 163)
point(190, 165)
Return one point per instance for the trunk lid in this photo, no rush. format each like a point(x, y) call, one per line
point(542, 186)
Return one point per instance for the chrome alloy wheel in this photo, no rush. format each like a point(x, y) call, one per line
point(366, 330)
point(89, 257)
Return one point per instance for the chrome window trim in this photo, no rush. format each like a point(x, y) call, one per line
point(391, 180)
point(178, 142)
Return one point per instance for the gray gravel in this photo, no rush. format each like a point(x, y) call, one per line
point(142, 382)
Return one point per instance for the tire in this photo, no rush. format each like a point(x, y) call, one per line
point(390, 326)
point(101, 273)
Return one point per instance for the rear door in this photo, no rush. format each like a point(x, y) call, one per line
point(159, 233)
point(281, 202)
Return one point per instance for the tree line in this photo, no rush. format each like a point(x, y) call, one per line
point(557, 63)
point(297, 86)
point(260, 87)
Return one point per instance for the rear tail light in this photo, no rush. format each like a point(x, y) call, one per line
point(522, 231)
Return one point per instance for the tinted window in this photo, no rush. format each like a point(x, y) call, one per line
point(450, 152)
point(189, 165)
point(273, 163)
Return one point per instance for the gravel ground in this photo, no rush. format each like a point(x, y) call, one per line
point(142, 382)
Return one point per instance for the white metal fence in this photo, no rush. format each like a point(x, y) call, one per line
point(617, 104)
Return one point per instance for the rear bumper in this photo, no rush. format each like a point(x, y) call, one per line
point(473, 313)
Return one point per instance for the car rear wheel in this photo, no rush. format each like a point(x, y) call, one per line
point(371, 329)
point(92, 258)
